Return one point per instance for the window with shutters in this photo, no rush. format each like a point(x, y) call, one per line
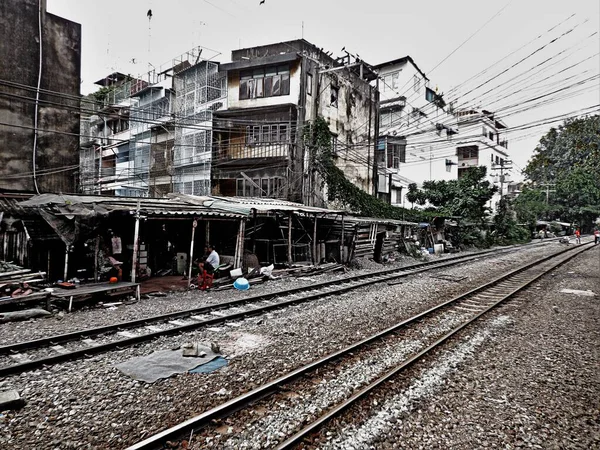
point(270, 81)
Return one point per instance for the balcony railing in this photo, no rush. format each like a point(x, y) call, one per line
point(262, 150)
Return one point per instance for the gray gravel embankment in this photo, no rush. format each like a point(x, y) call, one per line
point(528, 378)
point(96, 317)
point(89, 404)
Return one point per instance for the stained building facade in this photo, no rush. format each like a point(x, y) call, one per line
point(39, 98)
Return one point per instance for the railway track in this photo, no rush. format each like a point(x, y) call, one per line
point(417, 336)
point(29, 355)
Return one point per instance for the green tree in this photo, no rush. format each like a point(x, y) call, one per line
point(569, 158)
point(506, 229)
point(466, 197)
point(530, 206)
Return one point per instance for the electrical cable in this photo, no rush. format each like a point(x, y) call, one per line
point(37, 99)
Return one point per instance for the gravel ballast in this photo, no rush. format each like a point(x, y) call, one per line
point(177, 301)
point(88, 404)
point(526, 378)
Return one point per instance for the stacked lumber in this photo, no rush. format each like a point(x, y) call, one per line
point(22, 276)
point(365, 240)
point(19, 285)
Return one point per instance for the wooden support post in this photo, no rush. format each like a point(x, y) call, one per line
point(242, 240)
point(254, 234)
point(207, 233)
point(194, 225)
point(314, 242)
point(342, 243)
point(96, 251)
point(136, 235)
point(66, 271)
point(239, 247)
point(289, 252)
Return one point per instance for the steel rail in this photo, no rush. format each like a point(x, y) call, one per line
point(334, 412)
point(367, 278)
point(129, 341)
point(82, 334)
point(90, 332)
point(156, 441)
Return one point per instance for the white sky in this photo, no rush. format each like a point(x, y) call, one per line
point(116, 34)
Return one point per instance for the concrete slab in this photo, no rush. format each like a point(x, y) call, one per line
point(578, 292)
point(10, 400)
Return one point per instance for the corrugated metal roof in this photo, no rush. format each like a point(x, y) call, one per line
point(183, 205)
point(193, 212)
point(271, 204)
point(379, 220)
point(10, 206)
point(151, 206)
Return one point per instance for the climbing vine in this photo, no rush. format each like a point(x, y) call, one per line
point(341, 190)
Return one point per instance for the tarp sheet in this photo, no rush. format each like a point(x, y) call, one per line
point(163, 364)
point(210, 366)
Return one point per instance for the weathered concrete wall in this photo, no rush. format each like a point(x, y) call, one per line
point(352, 119)
point(61, 66)
point(353, 122)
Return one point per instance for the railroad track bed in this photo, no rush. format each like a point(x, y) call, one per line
point(21, 356)
point(89, 401)
point(266, 423)
point(525, 378)
point(178, 301)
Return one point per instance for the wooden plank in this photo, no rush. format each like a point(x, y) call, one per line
point(14, 272)
point(93, 288)
point(35, 297)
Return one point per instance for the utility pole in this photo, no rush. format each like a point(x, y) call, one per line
point(504, 167)
point(548, 190)
point(376, 141)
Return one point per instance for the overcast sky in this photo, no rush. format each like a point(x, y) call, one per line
point(117, 36)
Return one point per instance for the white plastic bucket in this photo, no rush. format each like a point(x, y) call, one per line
point(438, 248)
point(236, 273)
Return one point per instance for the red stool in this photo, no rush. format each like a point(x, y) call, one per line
point(207, 280)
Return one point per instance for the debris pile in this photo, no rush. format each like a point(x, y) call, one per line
point(257, 276)
point(19, 285)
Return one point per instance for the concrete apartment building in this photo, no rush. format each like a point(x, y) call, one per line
point(151, 135)
point(39, 134)
point(412, 128)
point(274, 92)
point(421, 138)
point(481, 142)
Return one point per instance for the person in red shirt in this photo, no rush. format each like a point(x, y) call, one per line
point(577, 236)
point(596, 236)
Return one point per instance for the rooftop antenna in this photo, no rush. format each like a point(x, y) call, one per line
point(197, 28)
point(303, 29)
point(149, 15)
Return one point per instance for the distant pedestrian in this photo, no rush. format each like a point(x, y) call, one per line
point(596, 236)
point(577, 236)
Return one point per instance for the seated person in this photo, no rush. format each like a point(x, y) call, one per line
point(208, 267)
